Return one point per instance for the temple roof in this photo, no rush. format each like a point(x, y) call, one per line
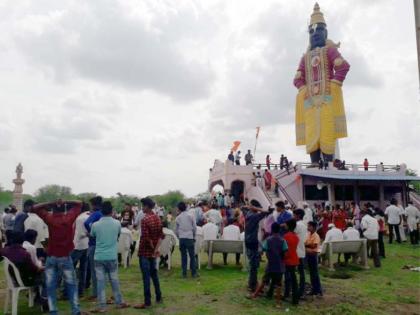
point(363, 176)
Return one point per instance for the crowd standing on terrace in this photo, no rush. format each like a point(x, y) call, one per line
point(70, 248)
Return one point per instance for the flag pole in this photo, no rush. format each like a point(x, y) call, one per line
point(256, 140)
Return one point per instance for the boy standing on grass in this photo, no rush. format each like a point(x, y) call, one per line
point(312, 249)
point(106, 231)
point(291, 260)
point(275, 248)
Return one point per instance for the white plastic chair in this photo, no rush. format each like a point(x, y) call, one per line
point(14, 287)
point(165, 248)
point(124, 248)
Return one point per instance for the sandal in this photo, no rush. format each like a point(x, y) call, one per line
point(141, 306)
point(98, 311)
point(122, 305)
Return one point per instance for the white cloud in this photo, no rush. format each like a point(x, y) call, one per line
point(141, 96)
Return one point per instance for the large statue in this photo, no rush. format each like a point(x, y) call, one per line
point(320, 116)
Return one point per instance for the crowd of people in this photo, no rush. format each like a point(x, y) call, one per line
point(72, 246)
point(235, 159)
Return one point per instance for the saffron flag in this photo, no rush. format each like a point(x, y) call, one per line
point(258, 132)
point(235, 146)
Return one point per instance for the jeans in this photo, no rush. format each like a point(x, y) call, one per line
point(53, 266)
point(373, 249)
point(107, 268)
point(396, 228)
point(301, 271)
point(186, 246)
point(80, 256)
point(91, 254)
point(313, 271)
point(291, 281)
point(148, 270)
point(254, 264)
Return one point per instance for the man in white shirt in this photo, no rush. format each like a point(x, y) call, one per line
point(28, 245)
point(301, 231)
point(79, 254)
point(394, 218)
point(308, 217)
point(231, 233)
point(34, 222)
point(401, 226)
point(413, 215)
point(210, 231)
point(128, 236)
point(125, 242)
point(333, 234)
point(213, 216)
point(370, 228)
point(350, 234)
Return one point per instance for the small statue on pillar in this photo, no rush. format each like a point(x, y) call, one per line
point(17, 192)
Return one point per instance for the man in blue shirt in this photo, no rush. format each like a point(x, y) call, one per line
point(96, 203)
point(19, 225)
point(283, 216)
point(106, 232)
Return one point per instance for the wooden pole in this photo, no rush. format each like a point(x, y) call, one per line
point(417, 22)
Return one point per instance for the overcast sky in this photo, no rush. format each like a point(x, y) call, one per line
point(141, 96)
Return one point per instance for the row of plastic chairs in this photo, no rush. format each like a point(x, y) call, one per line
point(14, 286)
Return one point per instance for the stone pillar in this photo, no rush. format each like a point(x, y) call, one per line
point(356, 193)
point(404, 194)
point(331, 194)
point(17, 192)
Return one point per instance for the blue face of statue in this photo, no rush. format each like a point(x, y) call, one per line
point(318, 35)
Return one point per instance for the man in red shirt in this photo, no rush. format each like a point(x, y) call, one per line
point(151, 237)
point(60, 244)
point(291, 260)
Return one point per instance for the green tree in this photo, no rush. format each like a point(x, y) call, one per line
point(170, 199)
point(414, 184)
point(53, 192)
point(86, 196)
point(120, 200)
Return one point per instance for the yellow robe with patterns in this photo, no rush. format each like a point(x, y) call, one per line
point(320, 119)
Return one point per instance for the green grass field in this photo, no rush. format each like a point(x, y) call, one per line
point(387, 290)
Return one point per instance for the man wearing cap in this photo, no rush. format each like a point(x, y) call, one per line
point(333, 234)
point(151, 237)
